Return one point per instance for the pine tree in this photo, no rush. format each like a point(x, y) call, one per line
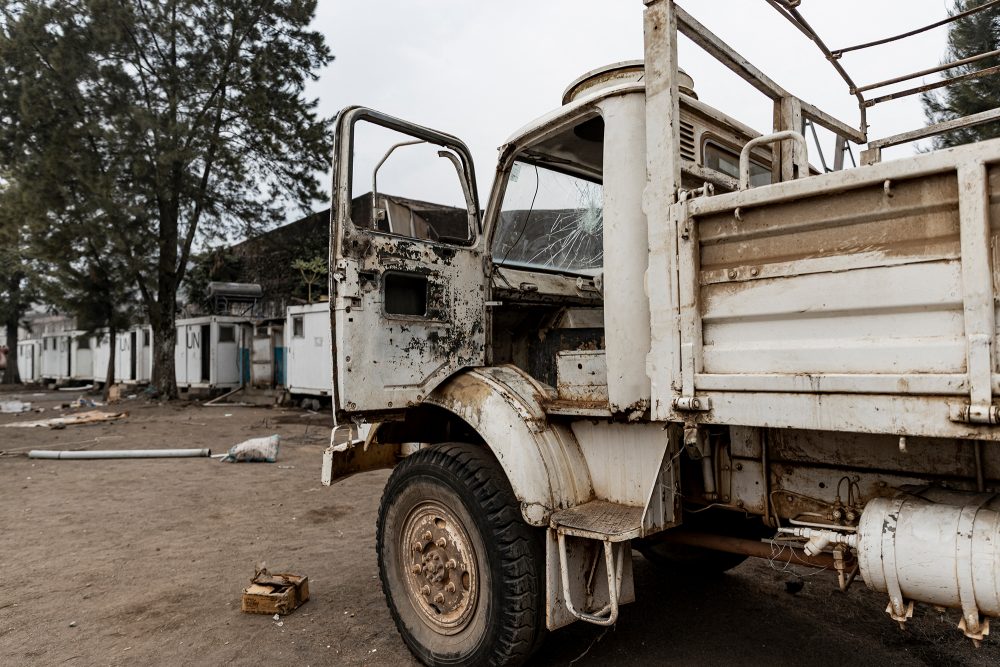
point(78, 272)
point(969, 36)
point(15, 291)
point(172, 122)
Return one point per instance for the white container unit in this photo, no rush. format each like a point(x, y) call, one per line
point(309, 367)
point(267, 355)
point(29, 360)
point(102, 351)
point(56, 356)
point(81, 348)
point(212, 352)
point(134, 355)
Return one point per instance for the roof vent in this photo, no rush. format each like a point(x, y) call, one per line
point(630, 71)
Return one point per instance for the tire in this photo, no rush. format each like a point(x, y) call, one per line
point(697, 560)
point(471, 592)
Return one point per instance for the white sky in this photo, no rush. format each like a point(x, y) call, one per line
point(480, 70)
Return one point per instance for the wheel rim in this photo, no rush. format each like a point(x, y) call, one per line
point(439, 567)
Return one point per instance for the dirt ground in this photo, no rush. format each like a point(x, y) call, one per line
point(124, 562)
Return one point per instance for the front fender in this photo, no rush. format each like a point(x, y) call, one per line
point(543, 461)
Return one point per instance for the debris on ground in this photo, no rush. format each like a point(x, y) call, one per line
point(255, 449)
point(274, 593)
point(89, 417)
point(85, 403)
point(85, 387)
point(14, 407)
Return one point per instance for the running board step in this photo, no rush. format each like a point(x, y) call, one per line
point(611, 524)
point(599, 520)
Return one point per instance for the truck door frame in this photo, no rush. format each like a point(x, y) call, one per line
point(459, 338)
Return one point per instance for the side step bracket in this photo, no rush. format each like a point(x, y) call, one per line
point(614, 526)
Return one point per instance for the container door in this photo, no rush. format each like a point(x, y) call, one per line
point(204, 342)
point(408, 274)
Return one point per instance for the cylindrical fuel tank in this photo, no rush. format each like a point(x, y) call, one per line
point(934, 552)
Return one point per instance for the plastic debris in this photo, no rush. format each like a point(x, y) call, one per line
point(14, 407)
point(255, 449)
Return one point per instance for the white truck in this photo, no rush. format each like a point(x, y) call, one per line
point(667, 332)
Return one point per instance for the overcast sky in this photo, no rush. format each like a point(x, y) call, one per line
point(480, 70)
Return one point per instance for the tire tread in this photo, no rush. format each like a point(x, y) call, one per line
point(521, 621)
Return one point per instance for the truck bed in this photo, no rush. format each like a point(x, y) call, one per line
point(859, 300)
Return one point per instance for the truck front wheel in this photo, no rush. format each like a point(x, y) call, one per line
point(461, 571)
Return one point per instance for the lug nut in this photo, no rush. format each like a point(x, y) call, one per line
point(428, 536)
point(451, 564)
point(425, 591)
point(450, 587)
point(415, 569)
point(441, 542)
point(439, 598)
point(417, 546)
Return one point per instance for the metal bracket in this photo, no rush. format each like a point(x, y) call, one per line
point(692, 404)
point(706, 190)
point(608, 614)
point(347, 279)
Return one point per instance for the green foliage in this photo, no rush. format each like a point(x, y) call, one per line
point(157, 125)
point(969, 36)
point(311, 271)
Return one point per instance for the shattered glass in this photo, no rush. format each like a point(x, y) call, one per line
point(550, 220)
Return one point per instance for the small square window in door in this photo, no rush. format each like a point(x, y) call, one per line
point(404, 294)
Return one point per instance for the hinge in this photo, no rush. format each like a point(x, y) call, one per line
point(974, 414)
point(347, 278)
point(692, 403)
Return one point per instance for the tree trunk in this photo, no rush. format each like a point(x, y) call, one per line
point(10, 374)
point(110, 376)
point(164, 340)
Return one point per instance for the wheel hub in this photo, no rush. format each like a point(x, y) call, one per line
point(439, 567)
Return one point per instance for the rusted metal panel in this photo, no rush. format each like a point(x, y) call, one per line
point(881, 291)
point(582, 375)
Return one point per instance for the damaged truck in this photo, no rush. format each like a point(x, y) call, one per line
point(667, 332)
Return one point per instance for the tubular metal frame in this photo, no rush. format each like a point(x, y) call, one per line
point(789, 9)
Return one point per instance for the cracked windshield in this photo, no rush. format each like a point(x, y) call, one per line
point(550, 220)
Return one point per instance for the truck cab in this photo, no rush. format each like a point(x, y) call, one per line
point(665, 331)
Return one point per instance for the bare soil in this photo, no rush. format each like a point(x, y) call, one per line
point(123, 562)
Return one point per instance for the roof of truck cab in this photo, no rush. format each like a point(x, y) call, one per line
point(553, 117)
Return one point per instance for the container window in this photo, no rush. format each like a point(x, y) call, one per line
point(227, 334)
point(298, 329)
point(83, 343)
point(145, 338)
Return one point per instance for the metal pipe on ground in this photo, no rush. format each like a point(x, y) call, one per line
point(737, 545)
point(119, 454)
